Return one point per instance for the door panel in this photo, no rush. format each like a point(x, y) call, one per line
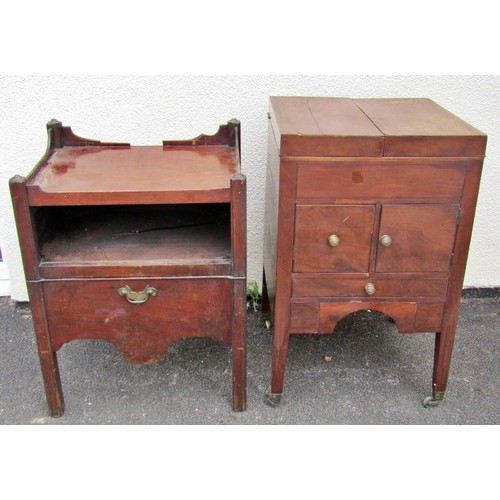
point(421, 238)
point(352, 225)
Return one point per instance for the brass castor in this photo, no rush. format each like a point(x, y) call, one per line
point(431, 401)
point(272, 399)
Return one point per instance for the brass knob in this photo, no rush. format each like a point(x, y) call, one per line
point(385, 240)
point(370, 288)
point(333, 240)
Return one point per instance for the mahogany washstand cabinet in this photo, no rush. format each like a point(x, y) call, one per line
point(136, 245)
point(369, 205)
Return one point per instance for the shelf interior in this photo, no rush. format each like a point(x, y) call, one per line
point(134, 235)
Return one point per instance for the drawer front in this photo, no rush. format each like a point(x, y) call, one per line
point(333, 238)
point(421, 238)
point(381, 181)
point(323, 317)
point(325, 287)
point(402, 313)
point(141, 331)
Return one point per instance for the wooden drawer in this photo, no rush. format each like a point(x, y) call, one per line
point(385, 180)
point(85, 309)
point(326, 287)
point(351, 224)
point(316, 316)
point(408, 316)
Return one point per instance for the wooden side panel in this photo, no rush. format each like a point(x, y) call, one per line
point(284, 263)
point(271, 216)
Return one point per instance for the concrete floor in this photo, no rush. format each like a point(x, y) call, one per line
point(375, 376)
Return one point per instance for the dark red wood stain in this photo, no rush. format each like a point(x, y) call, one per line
point(363, 169)
point(94, 218)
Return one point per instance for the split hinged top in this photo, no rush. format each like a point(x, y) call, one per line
point(341, 127)
point(76, 171)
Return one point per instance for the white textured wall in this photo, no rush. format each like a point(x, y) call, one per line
point(147, 109)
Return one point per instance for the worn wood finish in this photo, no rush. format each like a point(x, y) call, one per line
point(422, 238)
point(95, 218)
point(304, 317)
point(271, 221)
point(317, 126)
point(404, 168)
point(239, 289)
point(25, 227)
point(445, 337)
point(61, 136)
point(381, 179)
point(183, 174)
point(284, 262)
point(320, 287)
point(352, 225)
point(85, 241)
point(420, 127)
point(46, 353)
point(227, 135)
point(403, 314)
point(89, 309)
point(429, 316)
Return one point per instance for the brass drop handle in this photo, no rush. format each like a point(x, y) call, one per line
point(137, 297)
point(370, 288)
point(333, 240)
point(385, 240)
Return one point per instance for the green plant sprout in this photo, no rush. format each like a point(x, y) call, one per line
point(253, 294)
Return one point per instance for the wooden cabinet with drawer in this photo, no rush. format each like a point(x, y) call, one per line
point(369, 205)
point(136, 245)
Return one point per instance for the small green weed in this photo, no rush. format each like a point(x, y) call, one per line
point(253, 294)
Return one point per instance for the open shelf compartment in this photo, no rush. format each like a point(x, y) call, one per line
point(128, 240)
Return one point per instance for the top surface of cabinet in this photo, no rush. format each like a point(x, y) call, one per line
point(203, 171)
point(79, 171)
point(324, 126)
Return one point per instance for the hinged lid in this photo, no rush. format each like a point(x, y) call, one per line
point(322, 126)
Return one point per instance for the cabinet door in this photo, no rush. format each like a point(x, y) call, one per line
point(416, 238)
point(333, 238)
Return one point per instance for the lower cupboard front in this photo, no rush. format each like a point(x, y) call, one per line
point(323, 317)
point(141, 317)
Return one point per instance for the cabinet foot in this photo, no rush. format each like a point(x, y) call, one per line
point(430, 401)
point(272, 399)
